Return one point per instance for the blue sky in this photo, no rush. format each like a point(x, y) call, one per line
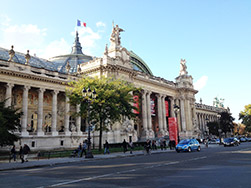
point(214, 36)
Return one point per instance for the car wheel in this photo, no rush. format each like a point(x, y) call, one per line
point(189, 149)
point(198, 149)
point(177, 150)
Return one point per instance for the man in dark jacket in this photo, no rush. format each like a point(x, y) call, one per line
point(124, 144)
point(26, 150)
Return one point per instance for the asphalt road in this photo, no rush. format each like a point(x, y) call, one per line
point(213, 167)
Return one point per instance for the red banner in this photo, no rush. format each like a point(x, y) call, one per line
point(167, 108)
point(173, 129)
point(136, 104)
point(153, 107)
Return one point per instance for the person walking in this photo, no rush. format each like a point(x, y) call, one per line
point(26, 151)
point(79, 150)
point(13, 153)
point(124, 144)
point(106, 147)
point(131, 146)
point(84, 147)
point(148, 147)
point(21, 154)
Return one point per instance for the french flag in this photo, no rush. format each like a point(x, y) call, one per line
point(79, 23)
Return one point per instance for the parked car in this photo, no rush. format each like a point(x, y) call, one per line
point(213, 141)
point(231, 142)
point(188, 145)
point(243, 139)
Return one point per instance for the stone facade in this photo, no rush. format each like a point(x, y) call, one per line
point(37, 88)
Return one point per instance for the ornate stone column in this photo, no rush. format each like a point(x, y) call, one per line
point(40, 111)
point(78, 120)
point(182, 113)
point(164, 114)
point(171, 107)
point(149, 115)
point(54, 112)
point(24, 131)
point(67, 116)
point(160, 115)
point(144, 115)
point(8, 94)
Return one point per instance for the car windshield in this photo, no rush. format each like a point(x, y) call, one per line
point(184, 141)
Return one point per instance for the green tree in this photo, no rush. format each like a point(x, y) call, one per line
point(226, 122)
point(113, 103)
point(245, 116)
point(213, 128)
point(9, 122)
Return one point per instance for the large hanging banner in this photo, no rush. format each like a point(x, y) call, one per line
point(153, 107)
point(167, 108)
point(173, 129)
point(136, 104)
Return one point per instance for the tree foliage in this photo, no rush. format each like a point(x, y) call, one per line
point(226, 122)
point(9, 122)
point(213, 128)
point(114, 101)
point(245, 116)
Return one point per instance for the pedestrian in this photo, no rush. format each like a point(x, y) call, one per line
point(154, 146)
point(13, 153)
point(124, 144)
point(84, 147)
point(131, 146)
point(148, 147)
point(79, 150)
point(21, 154)
point(106, 147)
point(164, 144)
point(161, 144)
point(26, 150)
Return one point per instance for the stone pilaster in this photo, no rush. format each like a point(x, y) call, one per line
point(149, 115)
point(164, 114)
point(182, 113)
point(144, 115)
point(40, 110)
point(25, 111)
point(172, 114)
point(54, 113)
point(78, 120)
point(67, 116)
point(8, 95)
point(160, 115)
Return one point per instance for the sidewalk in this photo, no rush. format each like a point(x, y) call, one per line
point(53, 161)
point(33, 162)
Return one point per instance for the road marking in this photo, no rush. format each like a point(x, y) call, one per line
point(121, 172)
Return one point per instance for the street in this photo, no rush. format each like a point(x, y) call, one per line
point(215, 167)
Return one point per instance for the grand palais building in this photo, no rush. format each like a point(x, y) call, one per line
point(37, 87)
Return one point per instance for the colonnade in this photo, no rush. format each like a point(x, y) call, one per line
point(203, 119)
point(148, 131)
point(40, 110)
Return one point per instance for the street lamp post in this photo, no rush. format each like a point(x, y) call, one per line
point(88, 95)
point(219, 130)
point(176, 110)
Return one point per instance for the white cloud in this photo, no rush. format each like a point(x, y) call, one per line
point(55, 48)
point(201, 83)
point(31, 37)
point(100, 24)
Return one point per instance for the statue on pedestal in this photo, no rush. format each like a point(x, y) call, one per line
point(183, 67)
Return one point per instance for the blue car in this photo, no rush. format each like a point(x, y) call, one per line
point(188, 145)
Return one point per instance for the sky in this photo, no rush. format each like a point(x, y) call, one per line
point(214, 36)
